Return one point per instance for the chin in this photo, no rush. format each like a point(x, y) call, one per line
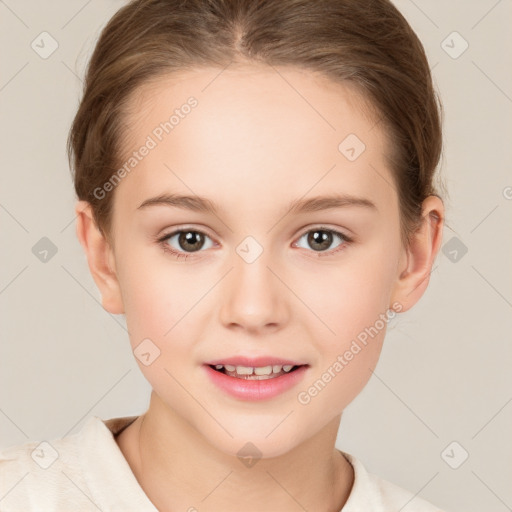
point(249, 448)
point(254, 438)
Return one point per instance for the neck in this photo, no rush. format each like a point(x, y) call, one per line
point(179, 470)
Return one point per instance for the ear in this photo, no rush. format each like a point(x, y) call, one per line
point(100, 257)
point(416, 261)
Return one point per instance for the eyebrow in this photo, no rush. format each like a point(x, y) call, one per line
point(314, 204)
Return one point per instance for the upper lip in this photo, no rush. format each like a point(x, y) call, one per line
point(253, 362)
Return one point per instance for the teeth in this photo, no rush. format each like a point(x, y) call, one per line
point(264, 370)
point(244, 370)
point(254, 372)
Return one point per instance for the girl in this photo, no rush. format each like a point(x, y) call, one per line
point(255, 185)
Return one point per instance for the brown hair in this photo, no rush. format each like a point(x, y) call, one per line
point(365, 42)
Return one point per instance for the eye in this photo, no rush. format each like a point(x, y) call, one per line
point(187, 241)
point(320, 239)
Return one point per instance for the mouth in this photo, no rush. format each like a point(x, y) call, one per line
point(255, 378)
point(255, 372)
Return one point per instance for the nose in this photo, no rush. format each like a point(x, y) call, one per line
point(253, 297)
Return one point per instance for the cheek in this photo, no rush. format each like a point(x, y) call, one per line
point(165, 311)
point(350, 295)
point(156, 295)
point(160, 320)
point(351, 302)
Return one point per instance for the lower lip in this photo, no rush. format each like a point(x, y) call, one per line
point(254, 390)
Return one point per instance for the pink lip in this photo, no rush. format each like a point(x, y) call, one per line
point(254, 361)
point(254, 390)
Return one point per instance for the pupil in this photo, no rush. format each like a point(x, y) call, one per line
point(319, 237)
point(193, 238)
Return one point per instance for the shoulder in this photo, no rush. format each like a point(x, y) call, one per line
point(397, 497)
point(370, 492)
point(42, 475)
point(76, 472)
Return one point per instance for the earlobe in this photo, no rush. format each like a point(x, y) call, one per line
point(417, 260)
point(100, 258)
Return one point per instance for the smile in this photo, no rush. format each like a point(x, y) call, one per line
point(254, 372)
point(255, 379)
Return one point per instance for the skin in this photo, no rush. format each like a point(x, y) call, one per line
point(254, 143)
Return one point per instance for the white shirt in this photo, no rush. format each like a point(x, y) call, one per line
point(87, 471)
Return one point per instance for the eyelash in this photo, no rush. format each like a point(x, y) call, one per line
point(162, 241)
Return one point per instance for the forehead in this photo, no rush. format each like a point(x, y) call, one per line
point(255, 130)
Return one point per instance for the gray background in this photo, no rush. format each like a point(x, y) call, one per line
point(442, 388)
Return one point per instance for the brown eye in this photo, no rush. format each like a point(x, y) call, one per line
point(321, 239)
point(190, 240)
point(186, 240)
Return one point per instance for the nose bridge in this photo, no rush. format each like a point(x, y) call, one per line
point(253, 296)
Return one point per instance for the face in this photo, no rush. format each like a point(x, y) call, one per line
point(253, 282)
